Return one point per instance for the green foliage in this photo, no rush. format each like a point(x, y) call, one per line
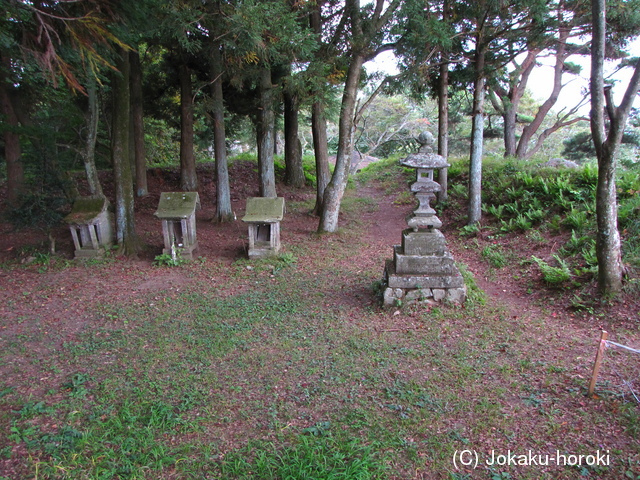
point(386, 170)
point(629, 221)
point(497, 211)
point(475, 295)
point(494, 255)
point(589, 256)
point(390, 125)
point(553, 275)
point(520, 223)
point(161, 143)
point(577, 220)
point(320, 457)
point(173, 259)
point(459, 190)
point(244, 157)
point(458, 167)
point(38, 209)
point(576, 242)
point(469, 230)
point(309, 168)
point(521, 198)
point(120, 441)
point(579, 147)
point(588, 175)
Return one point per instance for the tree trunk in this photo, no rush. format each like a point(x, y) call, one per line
point(335, 189)
point(319, 126)
point(89, 154)
point(530, 130)
point(607, 237)
point(188, 177)
point(509, 116)
point(443, 126)
point(137, 115)
point(224, 212)
point(292, 146)
point(265, 134)
point(477, 136)
point(608, 250)
point(12, 148)
point(275, 133)
point(125, 218)
point(319, 133)
point(511, 100)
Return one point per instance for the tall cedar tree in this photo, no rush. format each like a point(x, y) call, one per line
point(125, 218)
point(41, 31)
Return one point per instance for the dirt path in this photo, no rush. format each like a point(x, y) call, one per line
point(52, 291)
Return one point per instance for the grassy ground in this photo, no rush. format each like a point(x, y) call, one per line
point(287, 368)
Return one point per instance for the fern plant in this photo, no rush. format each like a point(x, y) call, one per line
point(514, 193)
point(172, 259)
point(528, 180)
point(497, 211)
point(507, 226)
point(553, 275)
point(577, 220)
point(589, 254)
point(494, 255)
point(523, 223)
point(564, 203)
point(469, 230)
point(512, 208)
point(536, 215)
point(575, 243)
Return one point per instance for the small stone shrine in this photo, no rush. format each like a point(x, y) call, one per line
point(423, 268)
point(264, 216)
point(177, 210)
point(90, 224)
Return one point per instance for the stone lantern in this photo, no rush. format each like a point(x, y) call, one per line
point(264, 216)
point(423, 269)
point(177, 210)
point(90, 224)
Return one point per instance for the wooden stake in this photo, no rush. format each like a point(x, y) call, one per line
point(598, 362)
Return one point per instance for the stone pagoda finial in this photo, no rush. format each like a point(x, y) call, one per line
point(426, 141)
point(425, 188)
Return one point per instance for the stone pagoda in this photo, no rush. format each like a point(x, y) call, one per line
point(422, 268)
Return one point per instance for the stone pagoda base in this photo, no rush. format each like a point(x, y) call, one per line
point(408, 289)
point(422, 270)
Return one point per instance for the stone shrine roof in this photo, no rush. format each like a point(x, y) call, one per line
point(86, 210)
point(264, 210)
point(177, 204)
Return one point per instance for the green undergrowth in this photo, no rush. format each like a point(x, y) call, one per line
point(521, 198)
point(316, 454)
